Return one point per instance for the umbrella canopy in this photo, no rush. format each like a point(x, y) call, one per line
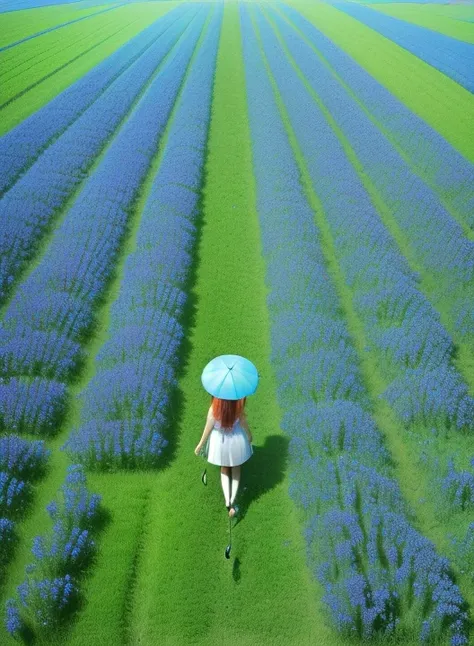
point(230, 377)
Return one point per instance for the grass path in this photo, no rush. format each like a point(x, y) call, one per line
point(440, 101)
point(407, 472)
point(139, 16)
point(186, 592)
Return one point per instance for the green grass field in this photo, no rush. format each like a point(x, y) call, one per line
point(160, 576)
point(437, 17)
point(438, 100)
point(43, 77)
point(18, 25)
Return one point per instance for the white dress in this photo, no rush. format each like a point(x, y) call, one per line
point(228, 448)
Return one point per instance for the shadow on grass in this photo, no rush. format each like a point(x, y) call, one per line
point(262, 472)
point(10, 542)
point(236, 573)
point(259, 475)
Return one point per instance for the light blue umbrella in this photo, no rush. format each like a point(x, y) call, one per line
point(230, 377)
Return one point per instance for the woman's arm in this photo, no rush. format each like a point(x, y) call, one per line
point(208, 427)
point(206, 432)
point(245, 425)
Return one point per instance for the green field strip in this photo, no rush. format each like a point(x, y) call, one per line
point(43, 246)
point(43, 92)
point(124, 494)
point(441, 102)
point(15, 29)
point(14, 62)
point(23, 83)
point(126, 497)
point(407, 467)
point(463, 12)
point(427, 284)
point(18, 84)
point(425, 15)
point(18, 67)
point(469, 233)
point(16, 25)
point(186, 591)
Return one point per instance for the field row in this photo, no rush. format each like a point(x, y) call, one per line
point(48, 65)
point(190, 55)
point(368, 256)
point(456, 21)
point(21, 26)
point(321, 385)
point(452, 57)
point(441, 102)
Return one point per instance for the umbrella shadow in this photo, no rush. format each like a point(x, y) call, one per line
point(262, 472)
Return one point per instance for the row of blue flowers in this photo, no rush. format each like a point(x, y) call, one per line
point(451, 56)
point(44, 327)
point(51, 588)
point(124, 405)
point(435, 239)
point(429, 154)
point(27, 210)
point(379, 574)
point(402, 329)
point(22, 462)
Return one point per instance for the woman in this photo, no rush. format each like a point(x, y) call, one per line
point(229, 443)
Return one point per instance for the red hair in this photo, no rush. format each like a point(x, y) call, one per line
point(226, 411)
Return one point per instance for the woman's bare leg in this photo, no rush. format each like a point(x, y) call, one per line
point(225, 482)
point(235, 473)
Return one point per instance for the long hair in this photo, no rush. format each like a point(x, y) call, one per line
point(226, 411)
